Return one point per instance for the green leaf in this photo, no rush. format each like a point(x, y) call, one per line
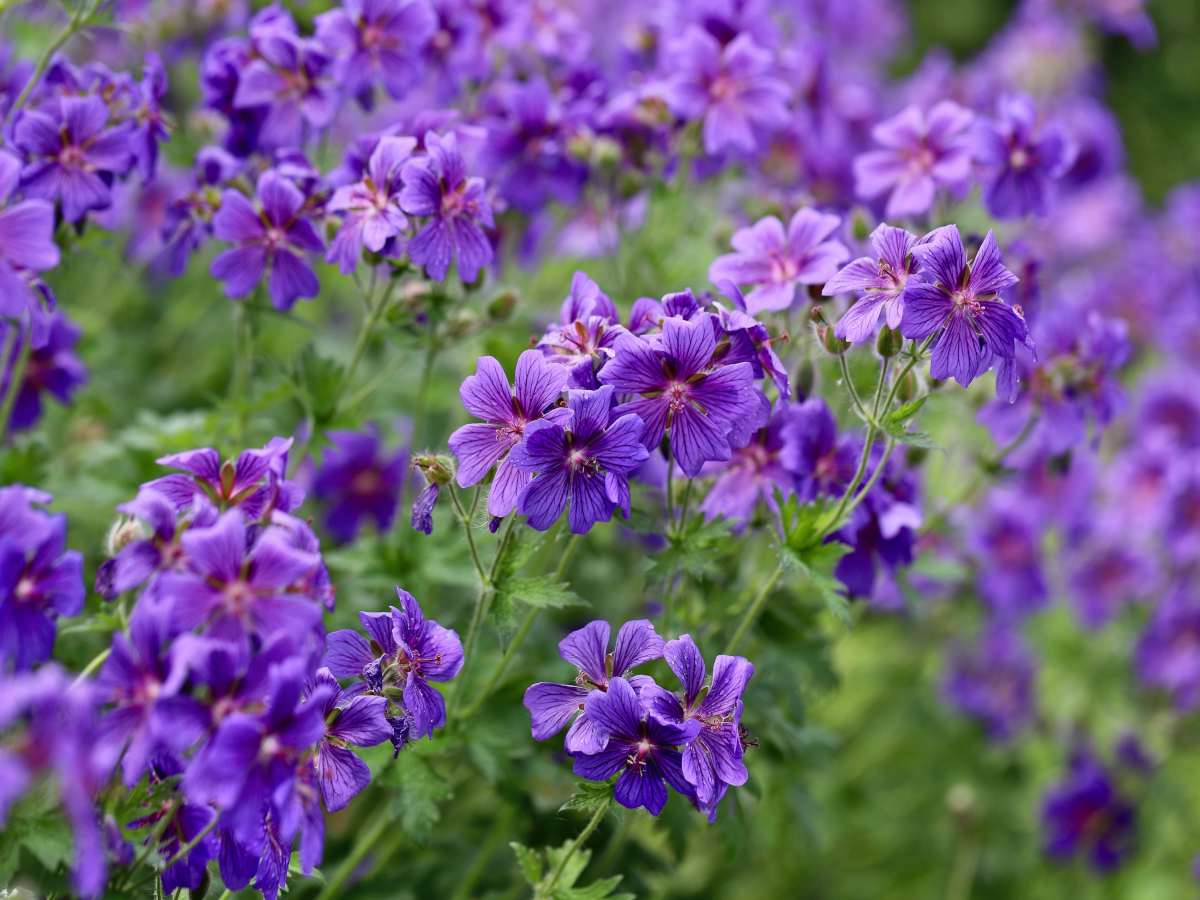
point(417, 804)
point(588, 797)
point(49, 840)
point(573, 868)
point(902, 414)
point(317, 381)
point(895, 423)
point(597, 890)
point(817, 564)
point(541, 591)
point(530, 861)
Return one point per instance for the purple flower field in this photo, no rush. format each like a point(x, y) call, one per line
point(591, 450)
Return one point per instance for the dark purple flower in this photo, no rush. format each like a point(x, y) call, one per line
point(272, 239)
point(51, 368)
point(421, 517)
point(149, 124)
point(481, 446)
point(880, 283)
point(371, 206)
point(40, 579)
point(642, 747)
point(378, 41)
point(959, 303)
point(1107, 575)
point(551, 706)
point(823, 464)
point(755, 472)
point(583, 338)
point(733, 88)
point(357, 479)
point(1021, 164)
point(1168, 652)
point(437, 186)
point(750, 339)
point(685, 392)
point(1087, 814)
point(993, 682)
point(777, 262)
point(712, 760)
point(406, 650)
point(1005, 540)
point(922, 152)
point(73, 156)
point(584, 462)
point(254, 482)
point(350, 721)
point(26, 248)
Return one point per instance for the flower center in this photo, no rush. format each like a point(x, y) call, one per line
point(677, 395)
point(26, 589)
point(366, 483)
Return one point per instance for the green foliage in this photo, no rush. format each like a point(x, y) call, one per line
point(895, 425)
point(551, 879)
point(806, 550)
point(420, 792)
point(589, 796)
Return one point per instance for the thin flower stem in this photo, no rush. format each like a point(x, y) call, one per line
point(866, 488)
point(243, 350)
point(862, 409)
point(868, 444)
point(465, 519)
point(754, 609)
point(152, 839)
point(184, 850)
point(97, 662)
point(671, 492)
point(366, 840)
point(487, 584)
point(376, 307)
point(79, 18)
point(22, 349)
point(591, 826)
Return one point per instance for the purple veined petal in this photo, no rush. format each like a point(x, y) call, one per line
point(473, 248)
point(487, 394)
point(943, 256)
point(764, 238)
point(218, 550)
point(690, 344)
point(507, 485)
point(635, 367)
point(589, 502)
point(83, 117)
point(616, 488)
point(808, 229)
point(80, 192)
point(302, 235)
point(637, 643)
point(957, 353)
point(241, 268)
point(653, 413)
point(363, 722)
point(586, 735)
point(346, 652)
point(586, 648)
point(236, 219)
point(340, 774)
point(697, 439)
point(617, 710)
point(858, 275)
point(1000, 326)
point(543, 499)
point(276, 563)
point(217, 773)
point(739, 269)
point(478, 447)
point(551, 706)
point(291, 279)
point(727, 392)
point(988, 274)
point(620, 449)
point(893, 245)
point(432, 247)
point(378, 626)
point(859, 322)
point(926, 309)
point(821, 262)
point(441, 652)
point(538, 382)
point(698, 769)
point(877, 172)
point(684, 659)
point(603, 763)
point(912, 196)
point(280, 198)
point(421, 195)
point(425, 704)
point(639, 787)
point(771, 297)
point(670, 766)
point(904, 129)
point(591, 411)
point(294, 614)
point(37, 133)
point(258, 85)
point(27, 235)
point(731, 674)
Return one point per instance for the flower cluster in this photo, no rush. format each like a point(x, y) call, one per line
point(629, 726)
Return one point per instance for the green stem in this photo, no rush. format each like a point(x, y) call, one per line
point(962, 874)
point(866, 488)
point(362, 847)
point(753, 610)
point(184, 850)
point(851, 388)
point(865, 457)
point(243, 350)
point(78, 20)
point(465, 519)
point(671, 492)
point(375, 311)
point(422, 406)
point(96, 662)
point(23, 349)
point(591, 826)
point(151, 843)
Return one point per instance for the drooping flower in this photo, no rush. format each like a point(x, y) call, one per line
point(993, 682)
point(641, 746)
point(712, 760)
point(685, 392)
point(959, 304)
point(922, 152)
point(437, 186)
point(880, 283)
point(272, 239)
point(1087, 814)
point(734, 89)
point(378, 41)
point(776, 262)
point(73, 154)
point(358, 479)
point(1021, 164)
point(405, 649)
point(551, 706)
point(373, 216)
point(583, 463)
point(481, 446)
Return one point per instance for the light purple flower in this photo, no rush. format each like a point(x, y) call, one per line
point(373, 216)
point(254, 481)
point(26, 248)
point(880, 283)
point(1168, 652)
point(378, 40)
point(776, 262)
point(1021, 165)
point(272, 239)
point(756, 471)
point(922, 153)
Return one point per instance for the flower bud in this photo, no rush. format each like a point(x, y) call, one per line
point(606, 153)
point(436, 469)
point(831, 341)
point(816, 314)
point(805, 380)
point(502, 306)
point(579, 146)
point(889, 342)
point(860, 226)
point(908, 388)
point(461, 322)
point(123, 532)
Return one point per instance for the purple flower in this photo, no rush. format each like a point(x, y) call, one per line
point(1021, 165)
point(733, 88)
point(358, 721)
point(587, 330)
point(755, 472)
point(149, 125)
point(378, 40)
point(254, 482)
point(357, 480)
point(959, 304)
point(481, 446)
point(406, 650)
point(1087, 814)
point(583, 462)
point(922, 152)
point(243, 582)
point(187, 823)
point(421, 517)
point(823, 464)
point(685, 392)
point(51, 368)
point(712, 760)
point(273, 239)
point(551, 706)
point(1006, 542)
point(880, 282)
point(372, 205)
point(1168, 652)
point(1107, 575)
point(993, 682)
point(643, 748)
point(750, 340)
point(777, 262)
point(26, 248)
point(72, 155)
point(40, 579)
point(437, 186)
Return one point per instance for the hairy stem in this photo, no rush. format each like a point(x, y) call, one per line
point(753, 610)
point(592, 825)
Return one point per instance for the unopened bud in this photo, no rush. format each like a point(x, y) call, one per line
point(805, 380)
point(606, 153)
point(124, 531)
point(502, 306)
point(579, 146)
point(461, 323)
point(831, 342)
point(816, 314)
point(907, 389)
point(436, 469)
point(962, 803)
point(889, 342)
point(860, 226)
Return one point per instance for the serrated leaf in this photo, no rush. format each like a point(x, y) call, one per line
point(318, 381)
point(597, 890)
point(902, 414)
point(49, 840)
point(574, 865)
point(588, 797)
point(530, 863)
point(817, 564)
point(542, 591)
point(421, 791)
